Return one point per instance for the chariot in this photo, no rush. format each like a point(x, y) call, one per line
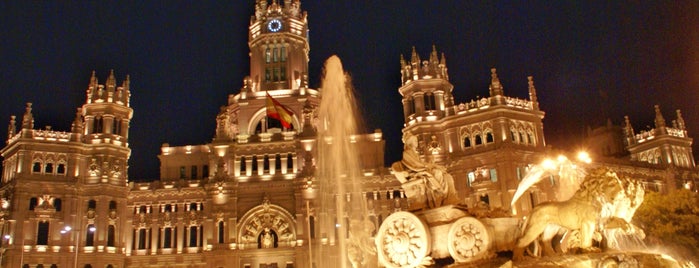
point(432, 230)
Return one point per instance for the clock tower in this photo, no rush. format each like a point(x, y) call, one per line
point(278, 40)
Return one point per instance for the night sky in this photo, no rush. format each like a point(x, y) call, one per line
point(590, 61)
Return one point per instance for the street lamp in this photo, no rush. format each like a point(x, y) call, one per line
point(3, 247)
point(67, 229)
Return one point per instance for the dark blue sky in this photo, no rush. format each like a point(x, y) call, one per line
point(590, 60)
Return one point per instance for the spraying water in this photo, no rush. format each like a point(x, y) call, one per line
point(338, 169)
point(569, 173)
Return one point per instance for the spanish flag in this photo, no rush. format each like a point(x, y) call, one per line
point(278, 111)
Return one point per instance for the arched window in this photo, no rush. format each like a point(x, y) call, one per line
point(112, 205)
point(513, 136)
point(289, 161)
point(48, 168)
point(489, 137)
point(467, 141)
point(243, 166)
point(36, 167)
point(61, 169)
point(521, 137)
point(92, 204)
point(479, 139)
point(268, 239)
point(531, 138)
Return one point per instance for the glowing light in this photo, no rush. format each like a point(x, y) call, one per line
point(548, 164)
point(584, 157)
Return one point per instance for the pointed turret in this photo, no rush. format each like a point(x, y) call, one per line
point(532, 93)
point(28, 118)
point(125, 94)
point(495, 86)
point(443, 67)
point(659, 121)
point(12, 128)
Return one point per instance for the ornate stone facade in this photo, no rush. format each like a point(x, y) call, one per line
point(246, 198)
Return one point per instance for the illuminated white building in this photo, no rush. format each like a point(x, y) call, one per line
point(240, 200)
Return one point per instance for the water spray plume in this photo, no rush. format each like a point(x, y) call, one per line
point(568, 172)
point(338, 170)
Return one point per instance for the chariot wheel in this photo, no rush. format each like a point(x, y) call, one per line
point(468, 240)
point(403, 240)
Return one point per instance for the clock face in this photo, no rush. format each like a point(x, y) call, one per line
point(274, 25)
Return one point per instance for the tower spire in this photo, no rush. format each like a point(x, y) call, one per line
point(495, 86)
point(443, 67)
point(532, 93)
point(659, 120)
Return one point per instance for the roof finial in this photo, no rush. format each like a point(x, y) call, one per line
point(680, 121)
point(111, 81)
point(495, 86)
point(659, 120)
point(532, 93)
point(28, 118)
point(12, 128)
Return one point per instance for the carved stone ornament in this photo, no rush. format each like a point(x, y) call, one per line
point(263, 219)
point(468, 240)
point(403, 240)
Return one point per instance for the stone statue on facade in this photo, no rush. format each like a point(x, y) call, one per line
point(437, 183)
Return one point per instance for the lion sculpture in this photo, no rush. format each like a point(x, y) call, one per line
point(603, 201)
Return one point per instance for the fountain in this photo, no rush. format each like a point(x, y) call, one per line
point(597, 210)
point(338, 172)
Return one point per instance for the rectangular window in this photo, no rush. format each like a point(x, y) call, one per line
point(268, 75)
point(471, 177)
point(283, 54)
point(493, 175)
point(276, 74)
point(142, 239)
point(276, 55)
point(183, 172)
point(42, 234)
point(205, 171)
point(194, 172)
point(220, 232)
point(192, 236)
point(268, 55)
point(283, 74)
point(167, 238)
point(110, 235)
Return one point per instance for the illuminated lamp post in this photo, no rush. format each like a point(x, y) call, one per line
point(68, 229)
